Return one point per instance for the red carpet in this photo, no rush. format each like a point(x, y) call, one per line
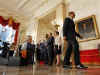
point(90, 56)
point(41, 62)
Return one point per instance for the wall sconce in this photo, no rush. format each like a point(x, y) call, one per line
point(54, 23)
point(56, 26)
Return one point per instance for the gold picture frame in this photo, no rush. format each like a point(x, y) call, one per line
point(87, 27)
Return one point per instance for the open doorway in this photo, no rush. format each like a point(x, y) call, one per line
point(46, 25)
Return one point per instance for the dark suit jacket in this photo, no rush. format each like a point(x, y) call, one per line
point(51, 41)
point(69, 29)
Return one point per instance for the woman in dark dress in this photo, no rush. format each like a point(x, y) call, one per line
point(57, 47)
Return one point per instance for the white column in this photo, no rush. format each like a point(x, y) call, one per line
point(60, 14)
point(32, 29)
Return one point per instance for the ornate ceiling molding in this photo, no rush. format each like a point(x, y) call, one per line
point(47, 8)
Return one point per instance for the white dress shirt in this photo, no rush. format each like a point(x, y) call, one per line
point(58, 40)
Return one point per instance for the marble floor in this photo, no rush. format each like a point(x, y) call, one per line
point(47, 70)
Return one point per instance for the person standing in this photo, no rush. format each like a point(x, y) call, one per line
point(27, 51)
point(57, 47)
point(33, 52)
point(70, 35)
point(50, 48)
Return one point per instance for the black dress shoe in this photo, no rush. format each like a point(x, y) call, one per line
point(81, 67)
point(33, 62)
point(50, 64)
point(67, 66)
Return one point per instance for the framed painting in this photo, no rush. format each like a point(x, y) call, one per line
point(87, 27)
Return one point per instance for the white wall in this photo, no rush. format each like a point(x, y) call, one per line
point(32, 29)
point(84, 8)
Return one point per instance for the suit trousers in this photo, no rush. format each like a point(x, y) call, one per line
point(72, 46)
point(50, 54)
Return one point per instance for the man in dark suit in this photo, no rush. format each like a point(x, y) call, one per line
point(50, 42)
point(70, 34)
point(33, 52)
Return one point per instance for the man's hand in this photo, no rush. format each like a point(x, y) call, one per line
point(64, 38)
point(81, 37)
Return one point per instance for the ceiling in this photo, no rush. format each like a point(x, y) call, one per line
point(23, 7)
point(48, 18)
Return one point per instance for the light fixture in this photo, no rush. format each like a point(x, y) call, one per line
point(53, 22)
point(57, 26)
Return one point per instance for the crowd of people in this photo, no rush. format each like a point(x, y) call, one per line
point(47, 50)
point(50, 49)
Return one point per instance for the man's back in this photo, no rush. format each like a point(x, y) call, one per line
point(69, 29)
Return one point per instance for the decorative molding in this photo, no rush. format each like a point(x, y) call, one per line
point(47, 8)
point(22, 4)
